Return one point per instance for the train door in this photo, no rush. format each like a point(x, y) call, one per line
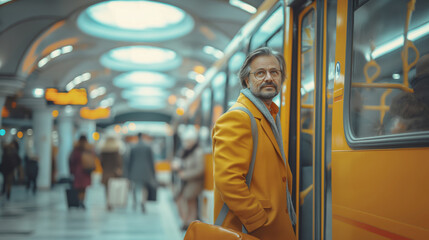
point(315, 41)
point(381, 120)
point(306, 79)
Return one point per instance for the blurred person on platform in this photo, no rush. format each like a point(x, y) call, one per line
point(10, 162)
point(141, 170)
point(191, 173)
point(111, 162)
point(31, 165)
point(81, 175)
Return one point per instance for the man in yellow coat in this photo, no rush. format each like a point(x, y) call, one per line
point(265, 209)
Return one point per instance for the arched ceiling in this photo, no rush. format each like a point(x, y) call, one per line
point(32, 30)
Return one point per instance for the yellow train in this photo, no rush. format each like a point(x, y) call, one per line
point(354, 112)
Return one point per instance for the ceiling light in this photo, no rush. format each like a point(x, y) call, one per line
point(132, 58)
point(38, 92)
point(43, 62)
point(143, 78)
point(213, 51)
point(66, 49)
point(189, 93)
point(242, 5)
point(97, 92)
point(200, 78)
point(398, 42)
point(142, 21)
point(108, 102)
point(55, 53)
point(78, 80)
point(196, 76)
point(4, 1)
point(396, 76)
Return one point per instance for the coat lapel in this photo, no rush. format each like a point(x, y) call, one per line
point(268, 131)
point(264, 122)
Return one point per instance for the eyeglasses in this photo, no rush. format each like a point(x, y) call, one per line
point(262, 74)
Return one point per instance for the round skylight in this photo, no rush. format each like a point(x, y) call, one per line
point(141, 21)
point(148, 103)
point(132, 58)
point(143, 78)
point(143, 92)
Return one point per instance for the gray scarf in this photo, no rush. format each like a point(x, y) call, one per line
point(276, 128)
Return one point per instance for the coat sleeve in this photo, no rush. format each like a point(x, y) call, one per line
point(232, 152)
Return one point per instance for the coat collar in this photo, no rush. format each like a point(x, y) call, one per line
point(243, 100)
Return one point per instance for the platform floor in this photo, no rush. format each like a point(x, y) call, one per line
point(45, 216)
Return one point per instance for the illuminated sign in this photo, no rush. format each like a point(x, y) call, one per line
point(92, 114)
point(73, 97)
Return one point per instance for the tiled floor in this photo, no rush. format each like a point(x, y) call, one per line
point(46, 216)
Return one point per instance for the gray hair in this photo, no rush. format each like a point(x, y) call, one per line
point(244, 72)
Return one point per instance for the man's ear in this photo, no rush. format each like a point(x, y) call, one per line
point(247, 82)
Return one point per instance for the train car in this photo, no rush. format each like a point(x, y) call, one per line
point(354, 112)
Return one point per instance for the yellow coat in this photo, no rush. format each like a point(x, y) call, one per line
point(263, 208)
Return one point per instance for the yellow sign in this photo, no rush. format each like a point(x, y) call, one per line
point(92, 114)
point(73, 97)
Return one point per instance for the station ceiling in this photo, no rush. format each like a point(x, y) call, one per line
point(59, 44)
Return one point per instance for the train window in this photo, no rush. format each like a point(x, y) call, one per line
point(276, 42)
point(234, 85)
point(390, 78)
point(268, 28)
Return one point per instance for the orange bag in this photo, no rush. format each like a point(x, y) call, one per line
point(203, 231)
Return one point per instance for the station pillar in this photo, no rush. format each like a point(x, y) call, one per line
point(87, 128)
point(65, 145)
point(42, 130)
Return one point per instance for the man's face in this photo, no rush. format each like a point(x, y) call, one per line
point(265, 88)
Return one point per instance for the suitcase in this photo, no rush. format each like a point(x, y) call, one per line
point(151, 193)
point(117, 195)
point(72, 198)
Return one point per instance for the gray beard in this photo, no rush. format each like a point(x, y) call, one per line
point(264, 96)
